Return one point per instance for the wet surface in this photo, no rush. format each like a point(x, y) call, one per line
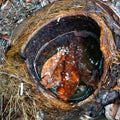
point(74, 62)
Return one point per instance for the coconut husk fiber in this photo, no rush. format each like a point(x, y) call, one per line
point(32, 104)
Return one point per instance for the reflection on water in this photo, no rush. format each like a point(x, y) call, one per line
point(73, 72)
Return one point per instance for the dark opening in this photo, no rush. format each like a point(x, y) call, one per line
point(78, 38)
